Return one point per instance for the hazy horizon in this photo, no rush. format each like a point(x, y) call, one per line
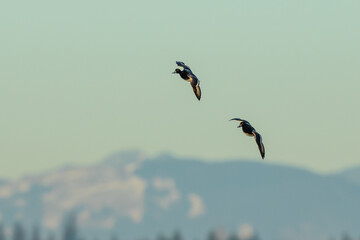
point(128, 154)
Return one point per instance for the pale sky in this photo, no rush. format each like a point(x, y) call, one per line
point(83, 79)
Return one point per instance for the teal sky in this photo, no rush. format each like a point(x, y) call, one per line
point(83, 79)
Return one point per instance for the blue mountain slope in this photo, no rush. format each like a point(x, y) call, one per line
point(141, 198)
point(352, 175)
point(275, 199)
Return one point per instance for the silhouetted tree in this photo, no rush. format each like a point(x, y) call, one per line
point(35, 233)
point(161, 237)
point(177, 236)
point(114, 237)
point(2, 232)
point(233, 237)
point(142, 238)
point(50, 237)
point(18, 232)
point(255, 237)
point(70, 228)
point(345, 236)
point(212, 236)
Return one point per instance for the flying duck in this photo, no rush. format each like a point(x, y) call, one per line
point(188, 76)
point(250, 131)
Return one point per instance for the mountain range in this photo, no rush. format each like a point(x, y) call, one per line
point(135, 196)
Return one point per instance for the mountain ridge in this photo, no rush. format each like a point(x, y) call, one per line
point(131, 193)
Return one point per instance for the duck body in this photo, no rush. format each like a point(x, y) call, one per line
point(190, 77)
point(251, 132)
point(183, 74)
point(248, 129)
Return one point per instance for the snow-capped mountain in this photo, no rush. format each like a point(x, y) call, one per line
point(135, 196)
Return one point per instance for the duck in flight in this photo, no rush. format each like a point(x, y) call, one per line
point(188, 76)
point(250, 131)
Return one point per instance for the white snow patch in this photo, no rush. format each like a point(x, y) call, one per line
point(93, 189)
point(24, 186)
point(166, 184)
point(197, 206)
point(6, 191)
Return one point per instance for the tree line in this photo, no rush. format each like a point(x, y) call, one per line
point(70, 231)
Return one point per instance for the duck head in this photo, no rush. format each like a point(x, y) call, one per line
point(177, 71)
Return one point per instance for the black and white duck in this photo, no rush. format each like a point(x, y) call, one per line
point(250, 131)
point(188, 76)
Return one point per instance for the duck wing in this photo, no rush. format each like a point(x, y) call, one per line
point(182, 64)
point(196, 88)
point(258, 140)
point(238, 119)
